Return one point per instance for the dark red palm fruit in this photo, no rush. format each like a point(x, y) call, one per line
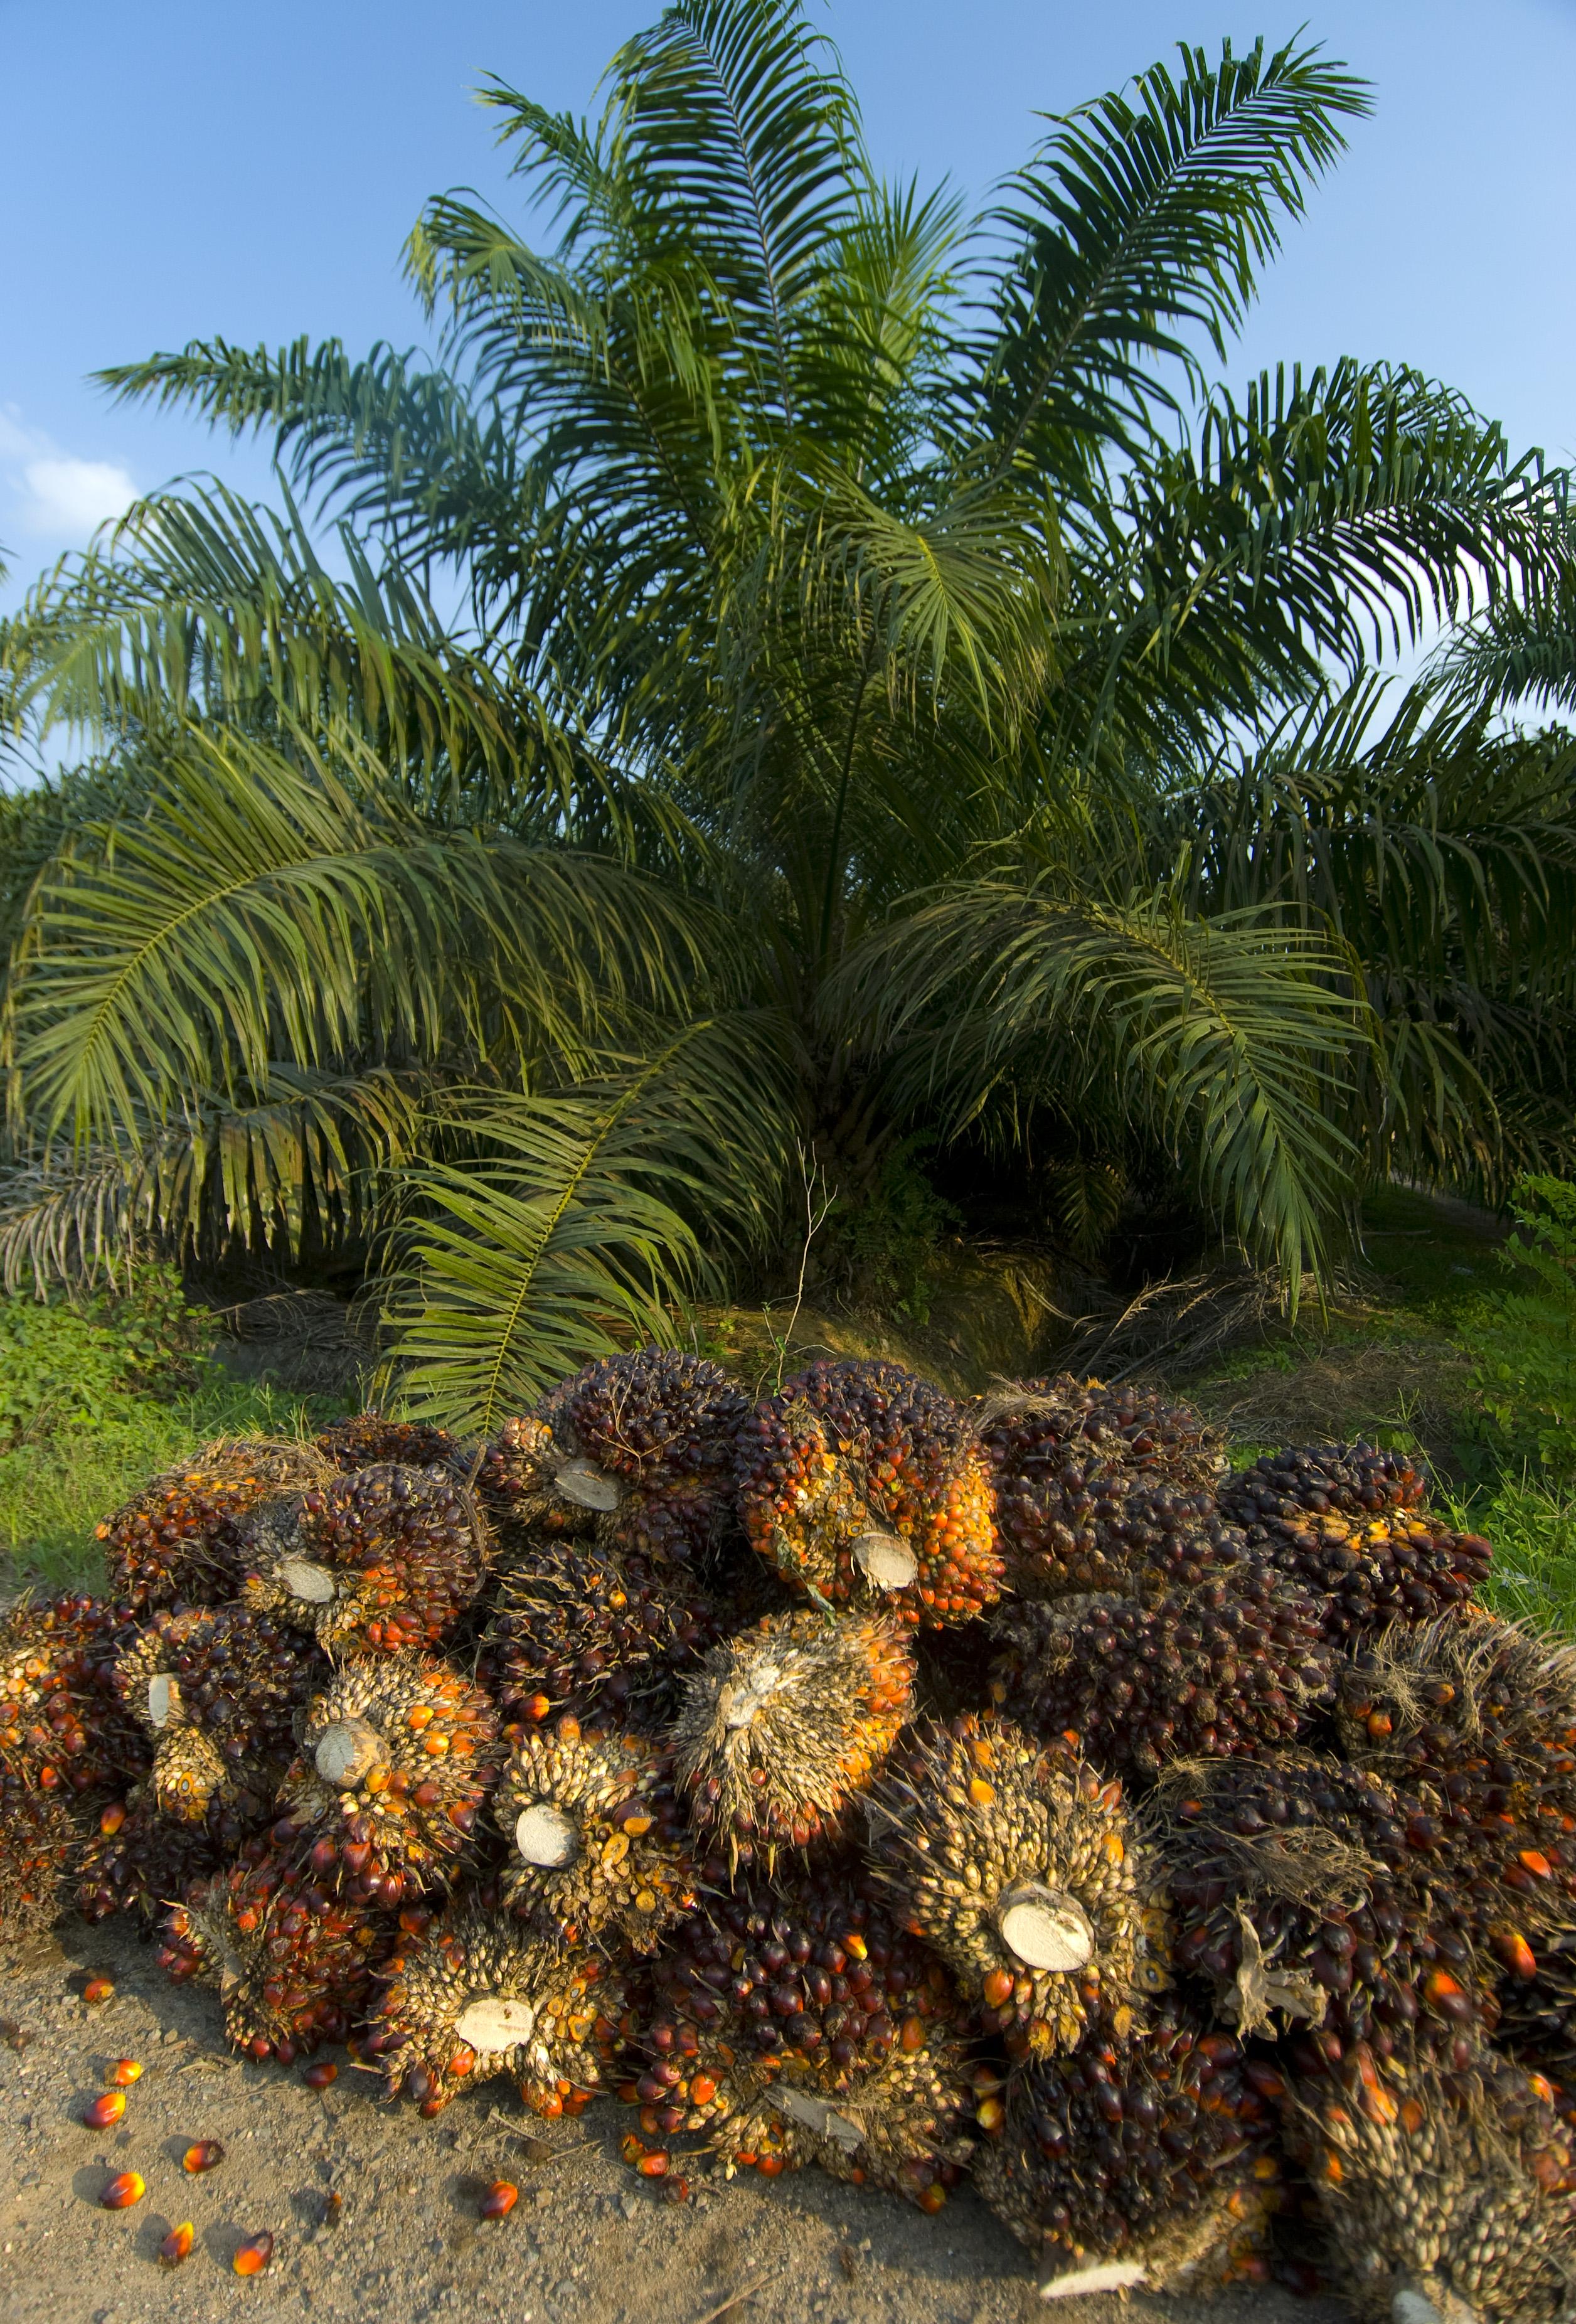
point(218, 1689)
point(293, 1961)
point(385, 1560)
point(369, 1439)
point(1238, 1664)
point(134, 1859)
point(600, 1633)
point(63, 1726)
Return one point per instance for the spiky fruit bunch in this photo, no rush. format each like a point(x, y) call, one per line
point(371, 1438)
point(598, 1632)
point(397, 1758)
point(1478, 1718)
point(292, 1962)
point(136, 1860)
point(1325, 1518)
point(861, 1483)
point(899, 2126)
point(1301, 1893)
point(596, 1837)
point(517, 1483)
point(1237, 1665)
point(473, 1994)
point(41, 1841)
point(662, 1425)
point(1081, 1473)
point(1144, 2163)
point(62, 1725)
point(383, 1561)
point(800, 2023)
point(181, 1540)
point(780, 1727)
point(1449, 2193)
point(217, 1688)
point(1018, 1864)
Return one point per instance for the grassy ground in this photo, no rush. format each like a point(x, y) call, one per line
point(55, 1487)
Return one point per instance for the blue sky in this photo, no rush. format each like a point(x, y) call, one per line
point(173, 170)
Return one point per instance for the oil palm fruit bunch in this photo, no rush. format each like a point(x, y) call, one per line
point(368, 1439)
point(1148, 2164)
point(596, 1631)
point(1237, 1665)
point(531, 1486)
point(62, 1725)
point(596, 1835)
point(217, 1690)
point(40, 1841)
point(780, 1727)
point(1068, 1458)
point(1478, 1718)
point(134, 1859)
point(473, 1994)
point(397, 1758)
point(1448, 2193)
point(1305, 1893)
point(292, 1962)
point(1345, 1521)
point(1016, 1864)
point(660, 1425)
point(383, 1561)
point(861, 1483)
point(181, 1540)
point(780, 2007)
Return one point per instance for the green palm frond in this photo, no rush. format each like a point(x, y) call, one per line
point(1226, 1040)
point(576, 1221)
point(272, 898)
point(1143, 220)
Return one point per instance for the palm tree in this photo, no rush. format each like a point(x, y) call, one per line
point(891, 686)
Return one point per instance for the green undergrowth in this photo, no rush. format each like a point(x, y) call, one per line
point(96, 1396)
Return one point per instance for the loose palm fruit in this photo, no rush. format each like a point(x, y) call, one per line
point(398, 1758)
point(600, 1633)
point(371, 1438)
point(135, 1859)
point(1303, 1890)
point(292, 1962)
point(1447, 2193)
point(126, 2188)
point(1144, 2163)
point(498, 2200)
point(63, 1725)
point(860, 1482)
point(662, 1426)
point(181, 1538)
point(378, 1563)
point(1093, 1482)
point(124, 2072)
point(473, 1996)
point(218, 1689)
point(780, 1727)
point(1019, 1866)
point(1477, 1718)
point(252, 2256)
point(1344, 1521)
point(596, 1838)
point(40, 1837)
point(203, 2155)
point(1235, 1664)
point(177, 2244)
point(106, 2111)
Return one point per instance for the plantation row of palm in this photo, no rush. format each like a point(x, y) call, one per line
point(802, 666)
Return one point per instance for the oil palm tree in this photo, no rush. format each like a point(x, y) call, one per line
point(858, 601)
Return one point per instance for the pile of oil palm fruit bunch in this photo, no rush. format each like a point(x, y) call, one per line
point(1013, 1792)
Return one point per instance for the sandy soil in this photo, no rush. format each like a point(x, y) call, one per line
point(587, 2243)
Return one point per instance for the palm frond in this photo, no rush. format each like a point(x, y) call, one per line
point(576, 1221)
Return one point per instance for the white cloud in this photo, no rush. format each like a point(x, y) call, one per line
point(49, 495)
point(65, 497)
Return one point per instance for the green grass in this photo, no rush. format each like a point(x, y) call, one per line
point(1533, 1528)
point(56, 1486)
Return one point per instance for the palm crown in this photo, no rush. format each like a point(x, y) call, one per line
point(892, 686)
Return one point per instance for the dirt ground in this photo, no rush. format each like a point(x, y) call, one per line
point(588, 2243)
